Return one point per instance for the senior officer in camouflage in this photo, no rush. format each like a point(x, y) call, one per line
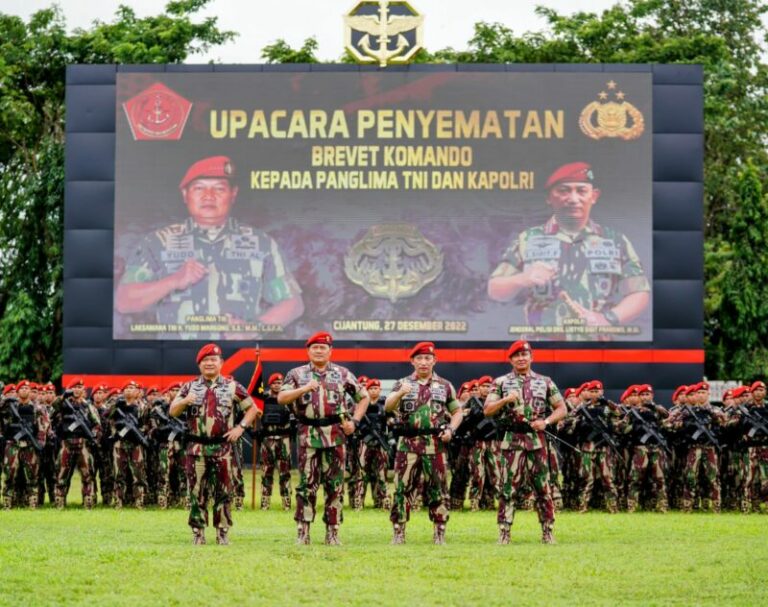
point(208, 404)
point(318, 391)
point(210, 263)
point(525, 404)
point(572, 267)
point(422, 401)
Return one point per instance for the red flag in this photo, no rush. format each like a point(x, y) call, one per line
point(256, 387)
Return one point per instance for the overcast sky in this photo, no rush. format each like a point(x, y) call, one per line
point(259, 23)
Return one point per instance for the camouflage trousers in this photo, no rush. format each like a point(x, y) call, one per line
point(171, 472)
point(554, 475)
point(647, 464)
point(520, 467)
point(318, 466)
point(46, 481)
point(354, 471)
point(74, 454)
point(459, 475)
point(151, 471)
point(755, 475)
point(20, 464)
point(484, 469)
point(238, 482)
point(105, 469)
point(129, 458)
point(373, 465)
point(275, 454)
point(596, 465)
point(412, 469)
point(704, 460)
point(210, 476)
point(734, 466)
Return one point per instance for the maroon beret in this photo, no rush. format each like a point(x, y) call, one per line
point(24, 383)
point(423, 347)
point(485, 379)
point(373, 382)
point(644, 388)
point(274, 377)
point(131, 383)
point(574, 172)
point(76, 381)
point(9, 388)
point(595, 384)
point(321, 337)
point(519, 345)
point(208, 350)
point(756, 385)
point(214, 167)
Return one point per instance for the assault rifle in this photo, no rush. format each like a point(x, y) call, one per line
point(649, 431)
point(79, 421)
point(23, 431)
point(700, 428)
point(369, 428)
point(755, 421)
point(599, 430)
point(130, 425)
point(174, 425)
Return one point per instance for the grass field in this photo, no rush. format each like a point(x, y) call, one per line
point(105, 557)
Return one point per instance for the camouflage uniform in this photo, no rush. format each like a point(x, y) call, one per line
point(246, 272)
point(374, 458)
point(700, 454)
point(127, 453)
point(275, 451)
point(524, 452)
point(597, 268)
point(21, 461)
point(422, 456)
point(209, 454)
point(752, 475)
point(319, 414)
point(647, 458)
point(103, 462)
point(171, 478)
point(353, 467)
point(76, 449)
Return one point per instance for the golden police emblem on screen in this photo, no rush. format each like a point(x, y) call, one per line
point(611, 117)
point(393, 261)
point(383, 32)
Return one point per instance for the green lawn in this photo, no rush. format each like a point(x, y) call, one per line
point(105, 557)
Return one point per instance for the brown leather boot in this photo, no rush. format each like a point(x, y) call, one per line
point(221, 536)
point(398, 534)
point(59, 501)
point(302, 536)
point(504, 534)
point(198, 536)
point(332, 535)
point(546, 534)
point(88, 502)
point(162, 502)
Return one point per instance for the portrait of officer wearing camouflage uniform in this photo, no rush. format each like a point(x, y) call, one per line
point(571, 267)
point(210, 264)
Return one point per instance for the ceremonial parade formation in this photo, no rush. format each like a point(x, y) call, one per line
point(509, 443)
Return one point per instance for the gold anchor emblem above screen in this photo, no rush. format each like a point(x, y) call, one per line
point(383, 32)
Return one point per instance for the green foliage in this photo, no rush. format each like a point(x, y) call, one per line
point(33, 60)
point(281, 52)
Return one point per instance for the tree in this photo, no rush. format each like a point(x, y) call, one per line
point(33, 60)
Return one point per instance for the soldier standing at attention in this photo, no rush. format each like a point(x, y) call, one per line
point(208, 403)
point(422, 400)
point(318, 391)
point(275, 445)
point(525, 404)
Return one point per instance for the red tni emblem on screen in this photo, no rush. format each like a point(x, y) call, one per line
point(158, 113)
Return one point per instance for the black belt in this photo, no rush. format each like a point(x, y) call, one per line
point(320, 421)
point(270, 433)
point(414, 432)
point(206, 440)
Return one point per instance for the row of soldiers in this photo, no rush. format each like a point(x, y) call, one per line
point(620, 455)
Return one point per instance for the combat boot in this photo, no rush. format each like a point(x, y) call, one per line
point(59, 501)
point(474, 505)
point(559, 504)
point(357, 503)
point(33, 502)
point(87, 502)
point(332, 535)
point(504, 534)
point(386, 503)
point(546, 534)
point(286, 502)
point(162, 502)
point(198, 536)
point(631, 505)
point(106, 499)
point(7, 503)
point(221, 536)
point(187, 503)
point(686, 506)
point(139, 503)
point(438, 536)
point(118, 503)
point(611, 505)
point(238, 503)
point(662, 506)
point(398, 534)
point(302, 537)
point(265, 500)
point(457, 504)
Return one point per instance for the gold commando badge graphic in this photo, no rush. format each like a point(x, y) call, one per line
point(611, 118)
point(383, 32)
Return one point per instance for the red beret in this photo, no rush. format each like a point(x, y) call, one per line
point(519, 345)
point(372, 382)
point(702, 386)
point(362, 379)
point(208, 350)
point(49, 387)
point(756, 385)
point(174, 386)
point(423, 347)
point(644, 388)
point(153, 388)
point(24, 383)
point(130, 383)
point(738, 391)
point(595, 384)
point(112, 393)
point(101, 387)
point(574, 171)
point(728, 394)
point(77, 381)
point(625, 395)
point(464, 387)
point(485, 379)
point(568, 392)
point(321, 337)
point(9, 388)
point(680, 390)
point(274, 377)
point(692, 388)
point(214, 167)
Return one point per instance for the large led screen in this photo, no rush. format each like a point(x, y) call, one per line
point(384, 206)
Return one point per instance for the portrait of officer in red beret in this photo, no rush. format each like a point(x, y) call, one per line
point(572, 270)
point(210, 264)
